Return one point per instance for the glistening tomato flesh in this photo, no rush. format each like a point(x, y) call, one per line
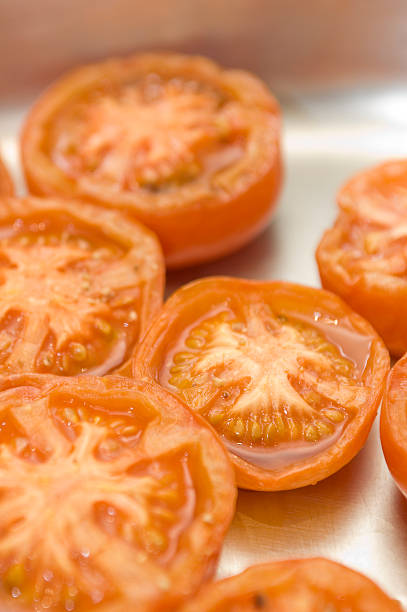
point(305, 585)
point(112, 496)
point(363, 257)
point(288, 376)
point(190, 149)
point(77, 286)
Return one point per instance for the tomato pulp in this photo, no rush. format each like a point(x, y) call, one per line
point(190, 149)
point(289, 376)
point(78, 286)
point(305, 585)
point(363, 257)
point(113, 496)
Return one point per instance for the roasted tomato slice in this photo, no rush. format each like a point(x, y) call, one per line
point(363, 257)
point(113, 496)
point(6, 184)
point(190, 149)
point(393, 423)
point(305, 585)
point(288, 376)
point(78, 286)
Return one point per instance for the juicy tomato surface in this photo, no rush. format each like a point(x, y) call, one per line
point(289, 376)
point(113, 496)
point(78, 286)
point(6, 184)
point(190, 149)
point(393, 423)
point(304, 585)
point(363, 257)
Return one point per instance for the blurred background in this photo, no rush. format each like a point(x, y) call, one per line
point(285, 41)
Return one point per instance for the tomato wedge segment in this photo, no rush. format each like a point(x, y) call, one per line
point(393, 423)
point(113, 496)
point(363, 257)
point(288, 376)
point(78, 286)
point(190, 149)
point(303, 585)
point(6, 184)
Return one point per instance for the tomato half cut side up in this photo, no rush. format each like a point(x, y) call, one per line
point(190, 149)
point(78, 286)
point(304, 585)
point(114, 496)
point(289, 376)
point(363, 257)
point(6, 184)
point(393, 423)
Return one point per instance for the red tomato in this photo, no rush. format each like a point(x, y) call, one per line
point(78, 286)
point(363, 258)
point(113, 496)
point(190, 149)
point(306, 585)
point(289, 376)
point(6, 184)
point(393, 423)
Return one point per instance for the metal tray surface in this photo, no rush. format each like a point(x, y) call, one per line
point(357, 516)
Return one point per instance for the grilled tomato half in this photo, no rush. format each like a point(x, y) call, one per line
point(289, 376)
point(190, 149)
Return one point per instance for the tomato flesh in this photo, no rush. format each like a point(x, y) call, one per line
point(363, 257)
point(71, 296)
point(281, 383)
point(153, 134)
point(87, 514)
point(306, 585)
point(188, 148)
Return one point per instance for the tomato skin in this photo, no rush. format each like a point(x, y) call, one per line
point(190, 303)
point(199, 544)
point(370, 203)
point(192, 228)
point(141, 261)
point(6, 184)
point(287, 586)
point(393, 424)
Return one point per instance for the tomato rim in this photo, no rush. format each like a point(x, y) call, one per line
point(393, 424)
point(6, 183)
point(195, 561)
point(115, 226)
point(320, 572)
point(366, 185)
point(230, 221)
point(150, 355)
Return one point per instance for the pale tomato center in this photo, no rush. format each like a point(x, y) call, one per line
point(66, 306)
point(264, 379)
point(77, 503)
point(154, 134)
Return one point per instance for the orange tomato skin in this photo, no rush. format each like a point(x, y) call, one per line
point(393, 423)
point(371, 201)
point(6, 184)
point(288, 586)
point(192, 300)
point(195, 558)
point(191, 229)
